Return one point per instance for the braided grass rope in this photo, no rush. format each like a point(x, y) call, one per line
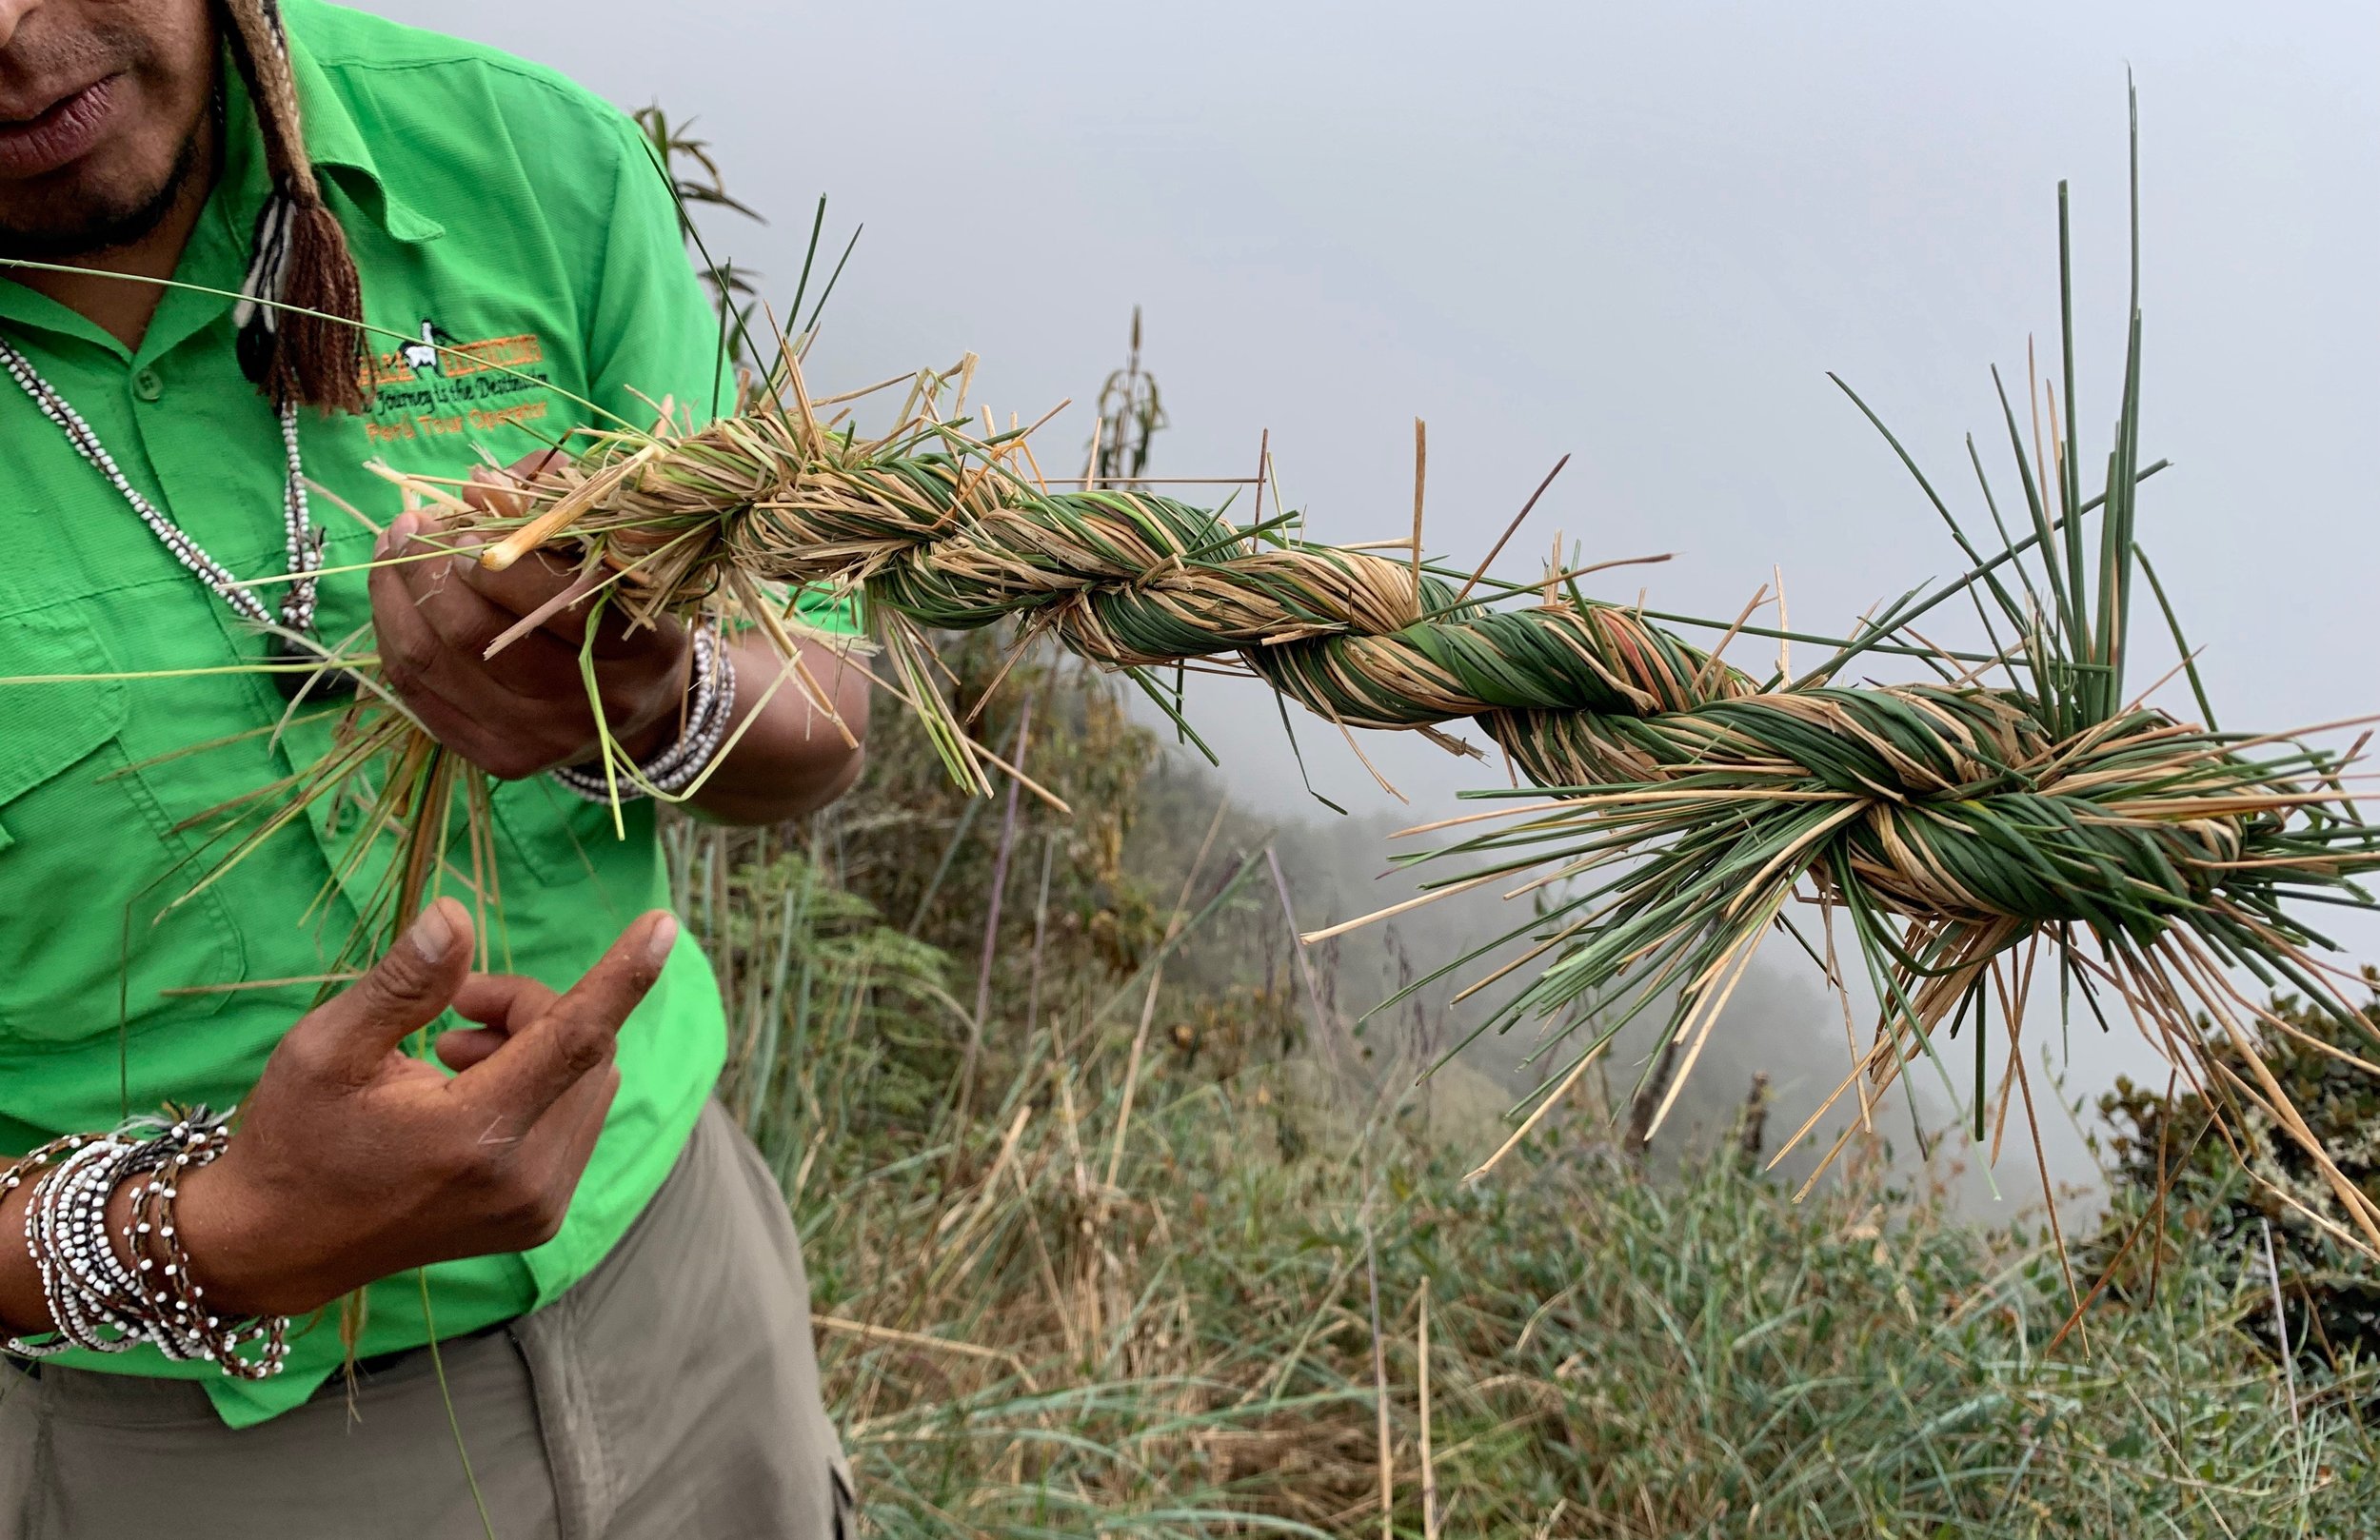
point(1960, 830)
point(2017, 816)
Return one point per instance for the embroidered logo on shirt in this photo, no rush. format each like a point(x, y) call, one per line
point(439, 385)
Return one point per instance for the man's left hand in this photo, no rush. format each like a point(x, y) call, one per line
point(527, 709)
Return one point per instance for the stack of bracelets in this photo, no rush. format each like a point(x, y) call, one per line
point(97, 1299)
point(709, 710)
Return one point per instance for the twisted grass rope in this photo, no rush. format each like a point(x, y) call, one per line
point(1944, 803)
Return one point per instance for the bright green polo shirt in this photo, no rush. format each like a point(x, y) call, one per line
point(519, 221)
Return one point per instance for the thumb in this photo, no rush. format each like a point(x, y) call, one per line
point(502, 493)
point(407, 990)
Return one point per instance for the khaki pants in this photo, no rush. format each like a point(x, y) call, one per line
point(672, 1394)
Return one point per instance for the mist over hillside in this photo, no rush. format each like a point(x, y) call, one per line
point(1429, 1052)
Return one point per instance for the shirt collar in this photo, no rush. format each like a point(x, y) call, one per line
point(333, 141)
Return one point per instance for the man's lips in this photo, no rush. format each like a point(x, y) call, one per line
point(59, 134)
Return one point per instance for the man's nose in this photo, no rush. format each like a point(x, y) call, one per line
point(12, 15)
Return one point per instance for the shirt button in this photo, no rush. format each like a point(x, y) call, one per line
point(146, 386)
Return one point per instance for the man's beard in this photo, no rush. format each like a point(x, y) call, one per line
point(104, 223)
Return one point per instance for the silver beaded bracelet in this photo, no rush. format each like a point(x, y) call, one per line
point(710, 711)
point(97, 1299)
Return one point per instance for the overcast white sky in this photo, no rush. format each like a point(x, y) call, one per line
point(1638, 234)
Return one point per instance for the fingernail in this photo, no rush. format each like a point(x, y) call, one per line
point(432, 934)
point(659, 942)
point(466, 557)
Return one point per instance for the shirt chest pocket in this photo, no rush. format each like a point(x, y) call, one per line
point(96, 918)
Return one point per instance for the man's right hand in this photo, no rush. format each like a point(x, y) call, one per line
point(352, 1160)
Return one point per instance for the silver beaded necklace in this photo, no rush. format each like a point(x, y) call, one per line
point(305, 545)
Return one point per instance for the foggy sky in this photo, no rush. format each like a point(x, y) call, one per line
point(1639, 235)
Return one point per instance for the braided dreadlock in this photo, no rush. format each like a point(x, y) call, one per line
point(302, 306)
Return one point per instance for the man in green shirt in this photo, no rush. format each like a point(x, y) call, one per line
point(562, 1207)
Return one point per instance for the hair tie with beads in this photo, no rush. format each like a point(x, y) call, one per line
point(301, 306)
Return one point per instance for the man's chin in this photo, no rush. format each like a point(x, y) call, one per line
point(83, 210)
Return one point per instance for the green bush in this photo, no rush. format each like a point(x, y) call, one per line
point(2213, 1181)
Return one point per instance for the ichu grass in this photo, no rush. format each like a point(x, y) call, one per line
point(2020, 811)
